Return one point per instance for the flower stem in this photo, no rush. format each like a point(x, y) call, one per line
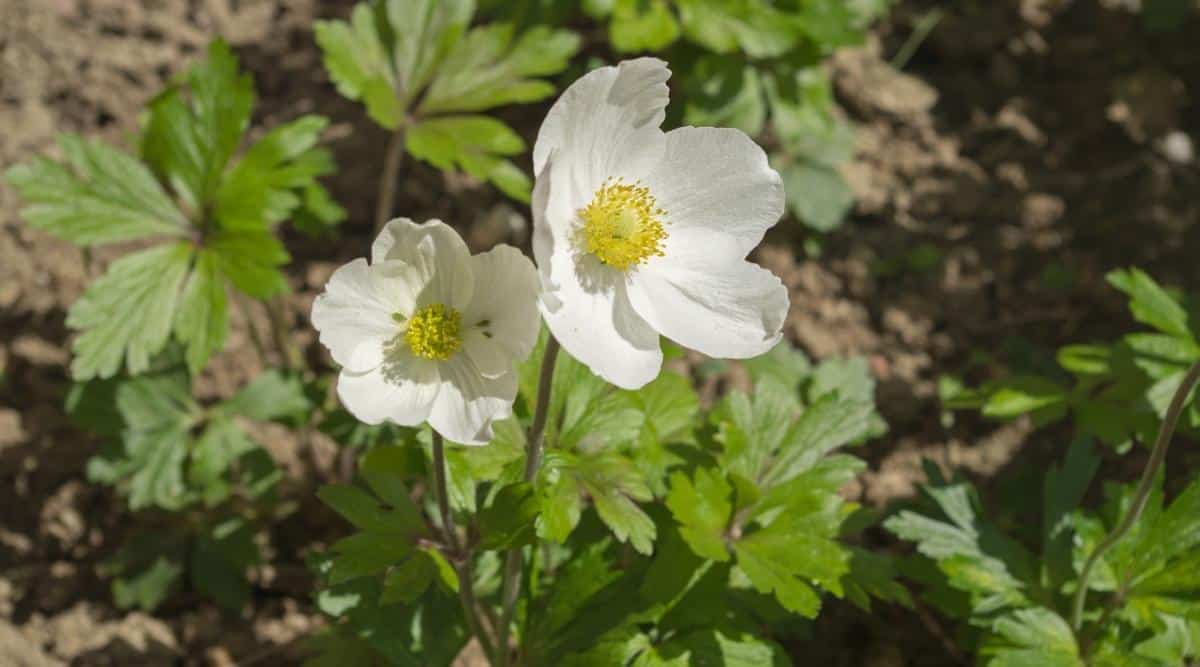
point(460, 556)
point(386, 202)
point(533, 459)
point(1157, 456)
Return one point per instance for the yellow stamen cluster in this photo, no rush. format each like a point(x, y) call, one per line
point(433, 332)
point(623, 225)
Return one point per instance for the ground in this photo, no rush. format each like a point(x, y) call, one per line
point(1025, 149)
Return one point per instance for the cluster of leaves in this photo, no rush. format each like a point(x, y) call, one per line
point(419, 68)
point(206, 214)
point(1117, 392)
point(168, 453)
point(1014, 591)
point(1167, 14)
point(667, 535)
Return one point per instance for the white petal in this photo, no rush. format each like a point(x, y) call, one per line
point(605, 125)
point(354, 313)
point(505, 297)
point(735, 311)
point(587, 309)
point(437, 251)
point(468, 403)
point(401, 391)
point(489, 357)
point(719, 193)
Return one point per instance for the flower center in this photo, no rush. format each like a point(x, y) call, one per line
point(433, 332)
point(622, 226)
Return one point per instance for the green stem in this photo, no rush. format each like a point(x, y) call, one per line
point(1157, 456)
point(533, 459)
point(289, 354)
point(459, 554)
point(386, 203)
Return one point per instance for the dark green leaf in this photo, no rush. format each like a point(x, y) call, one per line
point(508, 522)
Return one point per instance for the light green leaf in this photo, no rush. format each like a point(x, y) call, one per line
point(1034, 636)
point(825, 426)
point(562, 505)
point(189, 145)
point(1021, 395)
point(407, 580)
point(715, 647)
point(785, 364)
point(222, 443)
point(475, 144)
point(614, 485)
point(272, 395)
point(359, 64)
point(638, 25)
point(127, 314)
point(148, 588)
point(424, 31)
point(492, 67)
point(202, 319)
point(756, 28)
point(1150, 303)
point(251, 261)
point(99, 195)
point(1086, 359)
point(703, 510)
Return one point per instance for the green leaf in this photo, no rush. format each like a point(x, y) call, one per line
point(127, 314)
point(508, 522)
point(1150, 303)
point(716, 647)
point(1160, 355)
point(1021, 395)
point(368, 514)
point(270, 396)
point(189, 145)
point(1086, 359)
point(359, 64)
point(219, 562)
point(366, 554)
point(770, 569)
point(99, 195)
point(406, 581)
point(561, 507)
point(148, 588)
point(615, 487)
point(638, 25)
point(756, 28)
point(475, 144)
point(785, 364)
point(703, 511)
point(1062, 492)
point(202, 319)
point(847, 377)
point(222, 443)
point(251, 261)
point(424, 31)
point(276, 177)
point(825, 426)
point(1035, 636)
point(492, 67)
point(816, 194)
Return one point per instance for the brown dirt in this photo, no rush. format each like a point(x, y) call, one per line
point(1028, 148)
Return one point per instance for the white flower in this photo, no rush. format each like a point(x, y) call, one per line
point(638, 232)
point(428, 332)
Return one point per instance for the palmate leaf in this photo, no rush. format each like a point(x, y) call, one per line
point(127, 314)
point(703, 510)
point(1034, 636)
point(100, 195)
point(416, 66)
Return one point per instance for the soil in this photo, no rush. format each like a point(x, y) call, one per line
point(1027, 148)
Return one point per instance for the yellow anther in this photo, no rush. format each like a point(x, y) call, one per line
point(623, 225)
point(433, 332)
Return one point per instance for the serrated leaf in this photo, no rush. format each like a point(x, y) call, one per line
point(368, 514)
point(614, 485)
point(754, 27)
point(1032, 636)
point(251, 261)
point(189, 144)
point(424, 31)
point(270, 396)
point(359, 64)
point(367, 553)
point(714, 647)
point(784, 364)
point(222, 443)
point(703, 510)
point(641, 26)
point(508, 522)
point(99, 195)
point(562, 505)
point(202, 318)
point(127, 314)
point(1150, 303)
point(475, 144)
point(492, 66)
point(823, 427)
point(407, 580)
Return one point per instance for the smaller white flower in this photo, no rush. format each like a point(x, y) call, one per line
point(428, 332)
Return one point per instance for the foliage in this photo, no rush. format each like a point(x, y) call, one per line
point(1115, 392)
point(1015, 597)
point(672, 536)
point(419, 68)
point(205, 219)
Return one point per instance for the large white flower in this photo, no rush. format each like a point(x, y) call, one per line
point(638, 232)
point(428, 332)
